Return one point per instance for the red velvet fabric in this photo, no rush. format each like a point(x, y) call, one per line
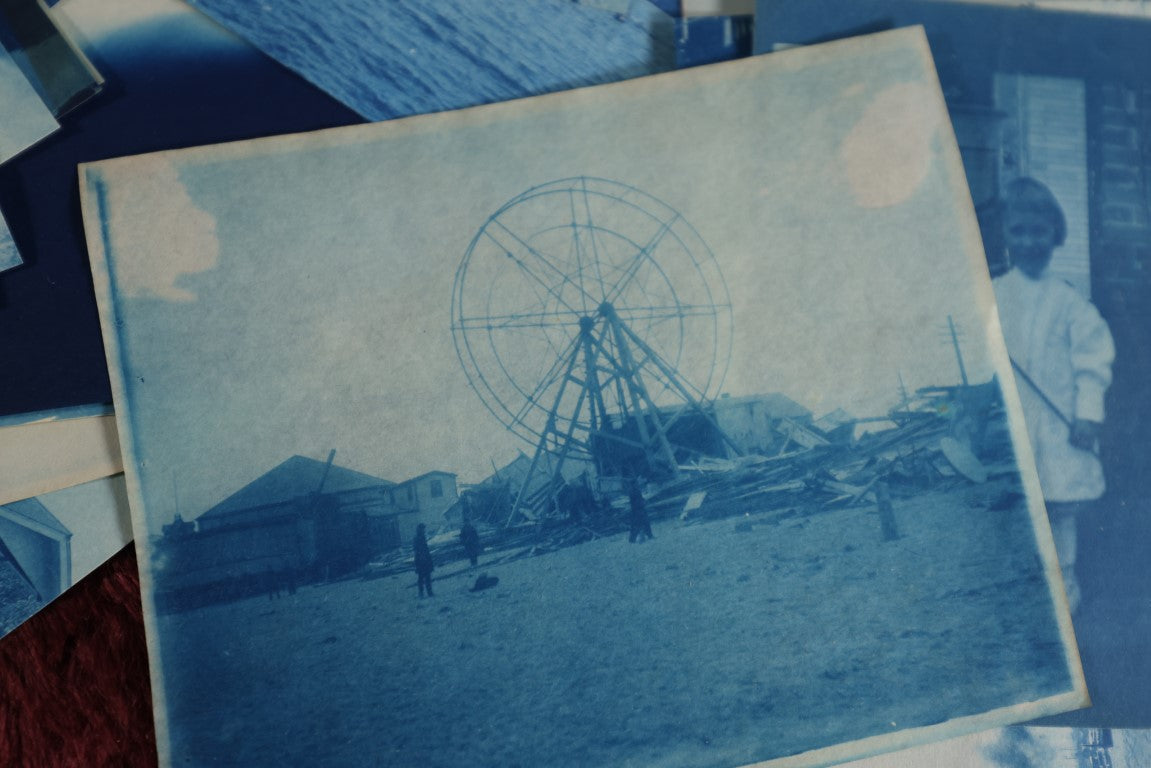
point(74, 685)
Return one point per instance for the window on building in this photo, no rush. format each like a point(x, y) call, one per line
point(437, 488)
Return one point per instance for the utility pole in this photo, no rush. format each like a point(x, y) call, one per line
point(958, 353)
point(327, 468)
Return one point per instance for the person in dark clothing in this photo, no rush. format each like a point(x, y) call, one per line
point(640, 524)
point(423, 560)
point(470, 538)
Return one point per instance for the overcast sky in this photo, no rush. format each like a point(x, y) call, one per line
point(97, 515)
point(289, 297)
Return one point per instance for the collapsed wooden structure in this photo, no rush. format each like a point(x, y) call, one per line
point(941, 438)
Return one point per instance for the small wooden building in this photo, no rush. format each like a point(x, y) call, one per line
point(304, 520)
point(38, 545)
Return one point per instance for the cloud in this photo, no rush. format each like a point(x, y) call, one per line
point(888, 153)
point(1020, 748)
point(144, 198)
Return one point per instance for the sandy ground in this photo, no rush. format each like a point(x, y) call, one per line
point(718, 643)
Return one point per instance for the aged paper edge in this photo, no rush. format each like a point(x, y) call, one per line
point(790, 60)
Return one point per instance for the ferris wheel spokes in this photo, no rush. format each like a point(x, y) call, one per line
point(564, 278)
point(639, 259)
point(588, 314)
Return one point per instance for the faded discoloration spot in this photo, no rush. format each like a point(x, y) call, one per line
point(190, 231)
point(888, 153)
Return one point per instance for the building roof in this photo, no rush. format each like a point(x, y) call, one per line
point(836, 418)
point(433, 473)
point(516, 468)
point(514, 471)
point(32, 514)
point(780, 405)
point(296, 477)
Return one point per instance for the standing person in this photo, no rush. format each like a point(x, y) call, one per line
point(423, 560)
point(640, 523)
point(1062, 351)
point(470, 538)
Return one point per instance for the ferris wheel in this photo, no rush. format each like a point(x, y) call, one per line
point(589, 316)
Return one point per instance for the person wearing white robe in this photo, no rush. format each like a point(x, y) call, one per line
point(1062, 351)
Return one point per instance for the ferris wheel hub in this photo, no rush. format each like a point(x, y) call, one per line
point(586, 313)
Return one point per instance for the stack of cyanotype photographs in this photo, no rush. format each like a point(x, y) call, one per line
point(54, 65)
point(26, 121)
point(51, 541)
point(42, 76)
point(42, 452)
point(63, 507)
point(783, 411)
point(559, 439)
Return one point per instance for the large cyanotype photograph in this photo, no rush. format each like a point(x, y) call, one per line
point(655, 423)
point(1052, 112)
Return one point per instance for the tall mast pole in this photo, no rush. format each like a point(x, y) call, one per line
point(958, 353)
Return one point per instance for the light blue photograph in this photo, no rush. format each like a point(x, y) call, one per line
point(560, 432)
point(50, 542)
point(26, 120)
point(1052, 112)
point(9, 255)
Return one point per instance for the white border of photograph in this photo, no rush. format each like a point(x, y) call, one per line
point(56, 451)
